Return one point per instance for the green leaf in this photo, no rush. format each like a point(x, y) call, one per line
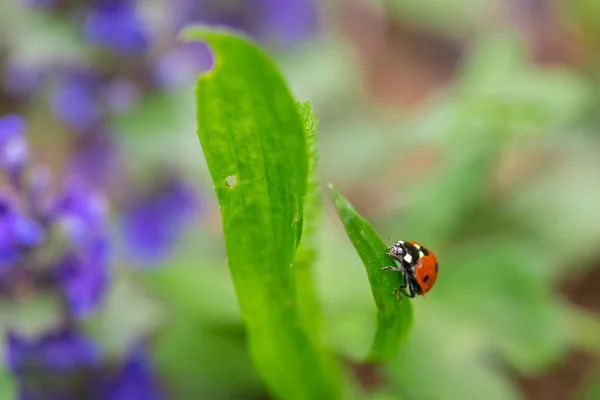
point(254, 144)
point(306, 295)
point(394, 316)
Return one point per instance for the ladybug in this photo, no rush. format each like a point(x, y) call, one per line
point(418, 266)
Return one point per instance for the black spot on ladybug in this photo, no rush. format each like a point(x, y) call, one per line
point(436, 267)
point(426, 278)
point(424, 250)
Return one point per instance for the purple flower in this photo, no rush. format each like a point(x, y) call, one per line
point(16, 231)
point(83, 275)
point(52, 366)
point(80, 210)
point(78, 264)
point(290, 21)
point(120, 94)
point(181, 64)
point(154, 220)
point(74, 100)
point(20, 79)
point(116, 24)
point(82, 271)
point(14, 152)
point(64, 364)
point(134, 379)
point(96, 158)
point(275, 22)
point(60, 350)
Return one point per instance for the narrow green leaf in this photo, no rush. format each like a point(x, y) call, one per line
point(394, 316)
point(306, 254)
point(254, 144)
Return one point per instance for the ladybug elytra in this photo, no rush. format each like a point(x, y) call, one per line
point(418, 266)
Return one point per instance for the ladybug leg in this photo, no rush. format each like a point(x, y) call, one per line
point(402, 269)
point(410, 293)
point(399, 288)
point(402, 286)
point(392, 268)
point(402, 289)
point(411, 288)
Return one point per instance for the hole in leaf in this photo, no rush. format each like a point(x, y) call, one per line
point(231, 181)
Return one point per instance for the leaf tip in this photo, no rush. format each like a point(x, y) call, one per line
point(334, 193)
point(198, 32)
point(208, 33)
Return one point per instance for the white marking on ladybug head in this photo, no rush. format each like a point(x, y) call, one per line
point(417, 246)
point(408, 258)
point(396, 250)
point(421, 255)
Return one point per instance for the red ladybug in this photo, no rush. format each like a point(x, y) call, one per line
point(418, 266)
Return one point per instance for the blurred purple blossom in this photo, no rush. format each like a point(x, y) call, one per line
point(119, 94)
point(21, 80)
point(79, 268)
point(132, 380)
point(181, 64)
point(82, 98)
point(117, 25)
point(96, 158)
point(80, 210)
point(60, 350)
point(65, 364)
point(14, 152)
point(154, 219)
point(274, 22)
point(288, 22)
point(83, 274)
point(16, 231)
point(74, 99)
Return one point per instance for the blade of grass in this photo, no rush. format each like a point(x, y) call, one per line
point(394, 317)
point(254, 143)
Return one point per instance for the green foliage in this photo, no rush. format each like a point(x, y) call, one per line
point(306, 295)
point(506, 196)
point(394, 316)
point(255, 148)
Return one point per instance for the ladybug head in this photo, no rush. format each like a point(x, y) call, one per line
point(397, 249)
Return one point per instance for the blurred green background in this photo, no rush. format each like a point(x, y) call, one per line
point(469, 126)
